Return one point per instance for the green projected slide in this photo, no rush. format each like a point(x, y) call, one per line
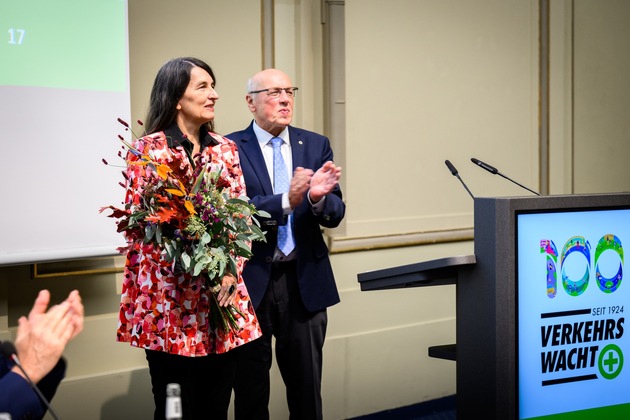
point(72, 44)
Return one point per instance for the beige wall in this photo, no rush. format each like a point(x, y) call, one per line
point(426, 81)
point(441, 80)
point(226, 34)
point(601, 102)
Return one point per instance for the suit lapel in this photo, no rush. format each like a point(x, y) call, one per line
point(297, 147)
point(250, 148)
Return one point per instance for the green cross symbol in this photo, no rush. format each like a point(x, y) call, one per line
point(610, 361)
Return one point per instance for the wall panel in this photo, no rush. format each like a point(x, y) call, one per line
point(428, 81)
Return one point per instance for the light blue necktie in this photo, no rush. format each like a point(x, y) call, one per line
point(281, 185)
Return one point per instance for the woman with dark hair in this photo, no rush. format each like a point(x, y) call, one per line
point(163, 309)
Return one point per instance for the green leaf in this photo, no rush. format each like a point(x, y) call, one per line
point(242, 245)
point(170, 250)
point(233, 265)
point(260, 235)
point(236, 201)
point(205, 238)
point(149, 231)
point(195, 187)
point(242, 237)
point(185, 261)
point(198, 269)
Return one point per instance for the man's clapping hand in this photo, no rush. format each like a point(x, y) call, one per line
point(42, 337)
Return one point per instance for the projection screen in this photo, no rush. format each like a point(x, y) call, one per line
point(64, 81)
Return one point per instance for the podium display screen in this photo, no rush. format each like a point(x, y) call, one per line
point(572, 301)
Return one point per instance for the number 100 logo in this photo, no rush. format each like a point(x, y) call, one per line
point(573, 281)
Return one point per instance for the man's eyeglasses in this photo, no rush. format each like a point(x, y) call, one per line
point(275, 92)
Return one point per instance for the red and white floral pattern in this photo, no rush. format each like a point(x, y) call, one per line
point(162, 309)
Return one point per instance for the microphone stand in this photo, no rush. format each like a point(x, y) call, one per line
point(495, 171)
point(453, 170)
point(520, 185)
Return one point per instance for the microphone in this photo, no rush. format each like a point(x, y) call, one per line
point(495, 171)
point(451, 168)
point(7, 349)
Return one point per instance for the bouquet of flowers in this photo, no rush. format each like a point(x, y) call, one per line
point(191, 216)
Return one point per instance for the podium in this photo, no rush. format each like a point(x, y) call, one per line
point(515, 296)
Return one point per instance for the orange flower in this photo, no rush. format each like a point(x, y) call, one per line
point(173, 191)
point(189, 206)
point(163, 171)
point(163, 215)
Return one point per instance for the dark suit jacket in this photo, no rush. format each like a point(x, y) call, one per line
point(19, 399)
point(315, 275)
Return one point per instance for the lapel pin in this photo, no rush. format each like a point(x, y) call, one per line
point(300, 142)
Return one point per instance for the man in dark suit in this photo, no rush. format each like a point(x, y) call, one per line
point(289, 278)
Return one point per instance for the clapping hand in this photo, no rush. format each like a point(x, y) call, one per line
point(42, 337)
point(324, 181)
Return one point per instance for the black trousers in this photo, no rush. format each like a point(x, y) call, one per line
point(206, 383)
point(299, 336)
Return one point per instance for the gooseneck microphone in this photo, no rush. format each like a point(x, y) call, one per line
point(495, 171)
point(451, 168)
point(7, 349)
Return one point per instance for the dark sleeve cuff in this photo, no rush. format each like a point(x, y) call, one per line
point(18, 398)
